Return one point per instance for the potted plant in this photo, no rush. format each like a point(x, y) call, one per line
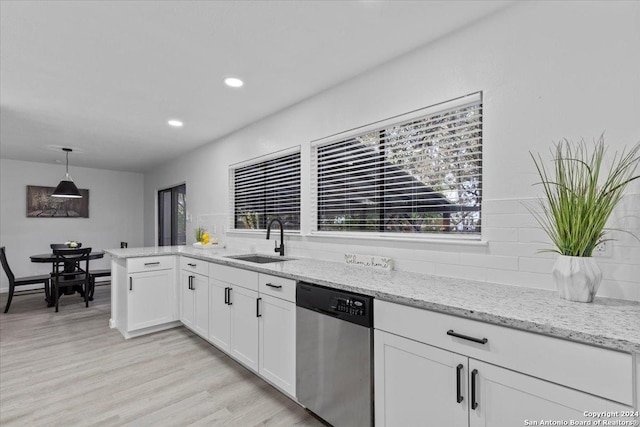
point(580, 194)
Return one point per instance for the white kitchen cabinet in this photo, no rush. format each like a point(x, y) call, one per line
point(219, 315)
point(233, 313)
point(437, 369)
point(253, 318)
point(278, 342)
point(417, 384)
point(143, 293)
point(150, 299)
point(505, 398)
point(244, 326)
point(194, 298)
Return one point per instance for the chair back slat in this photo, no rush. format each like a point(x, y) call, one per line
point(5, 265)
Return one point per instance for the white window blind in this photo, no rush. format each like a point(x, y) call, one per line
point(264, 190)
point(418, 173)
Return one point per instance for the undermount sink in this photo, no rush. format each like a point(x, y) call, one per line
point(258, 259)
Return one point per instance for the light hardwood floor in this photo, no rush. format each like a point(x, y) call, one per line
point(70, 369)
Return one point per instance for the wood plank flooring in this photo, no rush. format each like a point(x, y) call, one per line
point(70, 369)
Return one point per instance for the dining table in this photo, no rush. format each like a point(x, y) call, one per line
point(68, 268)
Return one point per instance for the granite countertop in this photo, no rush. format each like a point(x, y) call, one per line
point(606, 322)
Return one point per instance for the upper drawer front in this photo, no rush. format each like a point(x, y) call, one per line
point(278, 287)
point(150, 263)
point(599, 371)
point(194, 265)
point(234, 276)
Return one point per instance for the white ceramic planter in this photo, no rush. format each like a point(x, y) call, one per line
point(577, 278)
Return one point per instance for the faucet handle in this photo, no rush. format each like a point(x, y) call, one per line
point(277, 249)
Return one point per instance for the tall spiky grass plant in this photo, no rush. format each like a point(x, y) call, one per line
point(580, 193)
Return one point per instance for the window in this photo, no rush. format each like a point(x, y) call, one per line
point(264, 190)
point(172, 224)
point(417, 173)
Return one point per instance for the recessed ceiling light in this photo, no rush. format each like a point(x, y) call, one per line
point(233, 82)
point(175, 123)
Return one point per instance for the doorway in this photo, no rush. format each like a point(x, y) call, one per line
point(172, 216)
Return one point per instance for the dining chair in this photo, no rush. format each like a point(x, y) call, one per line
point(81, 276)
point(13, 281)
point(105, 272)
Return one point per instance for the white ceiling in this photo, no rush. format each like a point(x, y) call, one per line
point(103, 77)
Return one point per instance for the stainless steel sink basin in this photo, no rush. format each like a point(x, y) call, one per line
point(258, 259)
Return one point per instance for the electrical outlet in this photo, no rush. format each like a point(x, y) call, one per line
point(604, 250)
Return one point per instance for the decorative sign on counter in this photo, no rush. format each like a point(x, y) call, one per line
point(369, 261)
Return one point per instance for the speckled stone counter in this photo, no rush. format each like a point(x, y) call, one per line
point(606, 322)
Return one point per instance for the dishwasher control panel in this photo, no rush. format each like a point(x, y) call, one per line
point(348, 306)
point(352, 306)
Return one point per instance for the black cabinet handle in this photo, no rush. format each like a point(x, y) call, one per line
point(191, 265)
point(467, 337)
point(191, 282)
point(258, 307)
point(474, 374)
point(271, 285)
point(226, 295)
point(229, 297)
point(130, 283)
point(152, 263)
point(459, 397)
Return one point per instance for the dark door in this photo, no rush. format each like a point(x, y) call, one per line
point(172, 213)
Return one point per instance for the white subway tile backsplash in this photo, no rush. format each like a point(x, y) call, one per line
point(621, 272)
point(490, 261)
point(414, 266)
point(521, 278)
point(533, 235)
point(511, 255)
point(507, 206)
point(520, 249)
point(461, 272)
point(619, 289)
point(500, 234)
point(536, 265)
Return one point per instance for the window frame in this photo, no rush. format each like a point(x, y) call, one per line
point(262, 219)
point(381, 126)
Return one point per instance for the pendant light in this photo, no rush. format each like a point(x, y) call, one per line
point(67, 188)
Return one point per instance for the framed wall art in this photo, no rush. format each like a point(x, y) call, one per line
point(40, 204)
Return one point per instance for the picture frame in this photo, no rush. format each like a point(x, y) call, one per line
point(40, 204)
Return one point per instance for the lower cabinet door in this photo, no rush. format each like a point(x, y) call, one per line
point(506, 398)
point(418, 385)
point(219, 315)
point(200, 285)
point(244, 326)
point(278, 342)
point(187, 313)
point(150, 299)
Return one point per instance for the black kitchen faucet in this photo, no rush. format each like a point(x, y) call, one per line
point(280, 249)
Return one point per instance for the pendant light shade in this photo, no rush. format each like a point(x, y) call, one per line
point(67, 188)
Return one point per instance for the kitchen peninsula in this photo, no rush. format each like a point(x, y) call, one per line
point(588, 351)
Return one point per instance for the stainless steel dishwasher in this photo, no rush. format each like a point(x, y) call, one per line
point(334, 354)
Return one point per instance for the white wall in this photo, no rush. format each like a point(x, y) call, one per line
point(548, 70)
point(115, 213)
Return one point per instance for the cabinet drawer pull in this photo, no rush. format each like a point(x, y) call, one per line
point(474, 374)
point(146, 264)
point(258, 314)
point(467, 337)
point(271, 285)
point(130, 283)
point(459, 397)
point(191, 265)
